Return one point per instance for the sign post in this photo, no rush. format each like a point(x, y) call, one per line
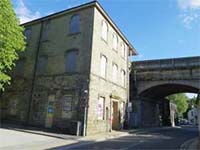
point(85, 106)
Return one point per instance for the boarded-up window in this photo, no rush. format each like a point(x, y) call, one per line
point(74, 24)
point(71, 58)
point(100, 108)
point(66, 106)
point(42, 64)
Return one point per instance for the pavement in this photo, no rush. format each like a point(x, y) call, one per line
point(18, 137)
point(193, 144)
point(15, 137)
point(145, 139)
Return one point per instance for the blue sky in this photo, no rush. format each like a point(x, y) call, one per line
point(156, 28)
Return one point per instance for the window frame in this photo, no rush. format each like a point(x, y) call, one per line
point(113, 75)
point(44, 65)
point(27, 40)
point(106, 31)
point(123, 49)
point(115, 45)
point(123, 78)
point(45, 34)
point(106, 61)
point(102, 117)
point(67, 52)
point(73, 31)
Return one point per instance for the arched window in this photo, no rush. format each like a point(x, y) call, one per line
point(103, 66)
point(71, 58)
point(104, 30)
point(115, 41)
point(115, 69)
point(123, 50)
point(74, 24)
point(46, 30)
point(123, 77)
point(27, 34)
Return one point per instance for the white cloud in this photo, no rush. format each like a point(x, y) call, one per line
point(189, 4)
point(189, 11)
point(191, 95)
point(25, 14)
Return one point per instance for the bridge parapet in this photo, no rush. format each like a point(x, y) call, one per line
point(174, 63)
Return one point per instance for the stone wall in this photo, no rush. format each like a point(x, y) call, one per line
point(54, 80)
point(104, 87)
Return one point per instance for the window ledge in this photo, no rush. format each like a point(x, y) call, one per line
point(122, 57)
point(74, 34)
point(46, 40)
point(104, 40)
point(115, 50)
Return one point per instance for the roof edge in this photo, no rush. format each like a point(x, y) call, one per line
point(94, 3)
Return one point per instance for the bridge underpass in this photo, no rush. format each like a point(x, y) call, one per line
point(153, 80)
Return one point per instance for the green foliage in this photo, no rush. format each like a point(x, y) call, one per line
point(11, 41)
point(181, 101)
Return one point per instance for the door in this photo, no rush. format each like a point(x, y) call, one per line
point(115, 121)
point(50, 111)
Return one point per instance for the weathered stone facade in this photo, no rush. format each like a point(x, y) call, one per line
point(37, 97)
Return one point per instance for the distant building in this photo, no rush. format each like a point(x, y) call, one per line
point(193, 116)
point(173, 113)
point(74, 59)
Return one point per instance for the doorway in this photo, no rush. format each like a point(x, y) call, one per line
point(115, 119)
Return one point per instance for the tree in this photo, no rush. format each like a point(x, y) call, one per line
point(11, 41)
point(181, 101)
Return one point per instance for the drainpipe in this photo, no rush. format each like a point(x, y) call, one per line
point(34, 75)
point(128, 88)
point(198, 111)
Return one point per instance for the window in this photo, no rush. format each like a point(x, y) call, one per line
point(123, 50)
point(42, 64)
point(100, 108)
point(71, 58)
point(74, 24)
point(115, 40)
point(115, 68)
point(67, 103)
point(103, 66)
point(104, 30)
point(123, 77)
point(19, 69)
point(27, 34)
point(46, 30)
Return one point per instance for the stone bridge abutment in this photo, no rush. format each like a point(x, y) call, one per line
point(152, 80)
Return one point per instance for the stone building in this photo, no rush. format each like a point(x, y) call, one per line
point(192, 116)
point(75, 69)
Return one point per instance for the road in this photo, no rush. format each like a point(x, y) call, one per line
point(148, 139)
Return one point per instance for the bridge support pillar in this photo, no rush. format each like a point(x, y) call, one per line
point(135, 116)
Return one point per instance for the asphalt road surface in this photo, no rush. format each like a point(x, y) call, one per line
point(147, 139)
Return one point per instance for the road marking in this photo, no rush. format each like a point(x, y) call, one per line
point(186, 144)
